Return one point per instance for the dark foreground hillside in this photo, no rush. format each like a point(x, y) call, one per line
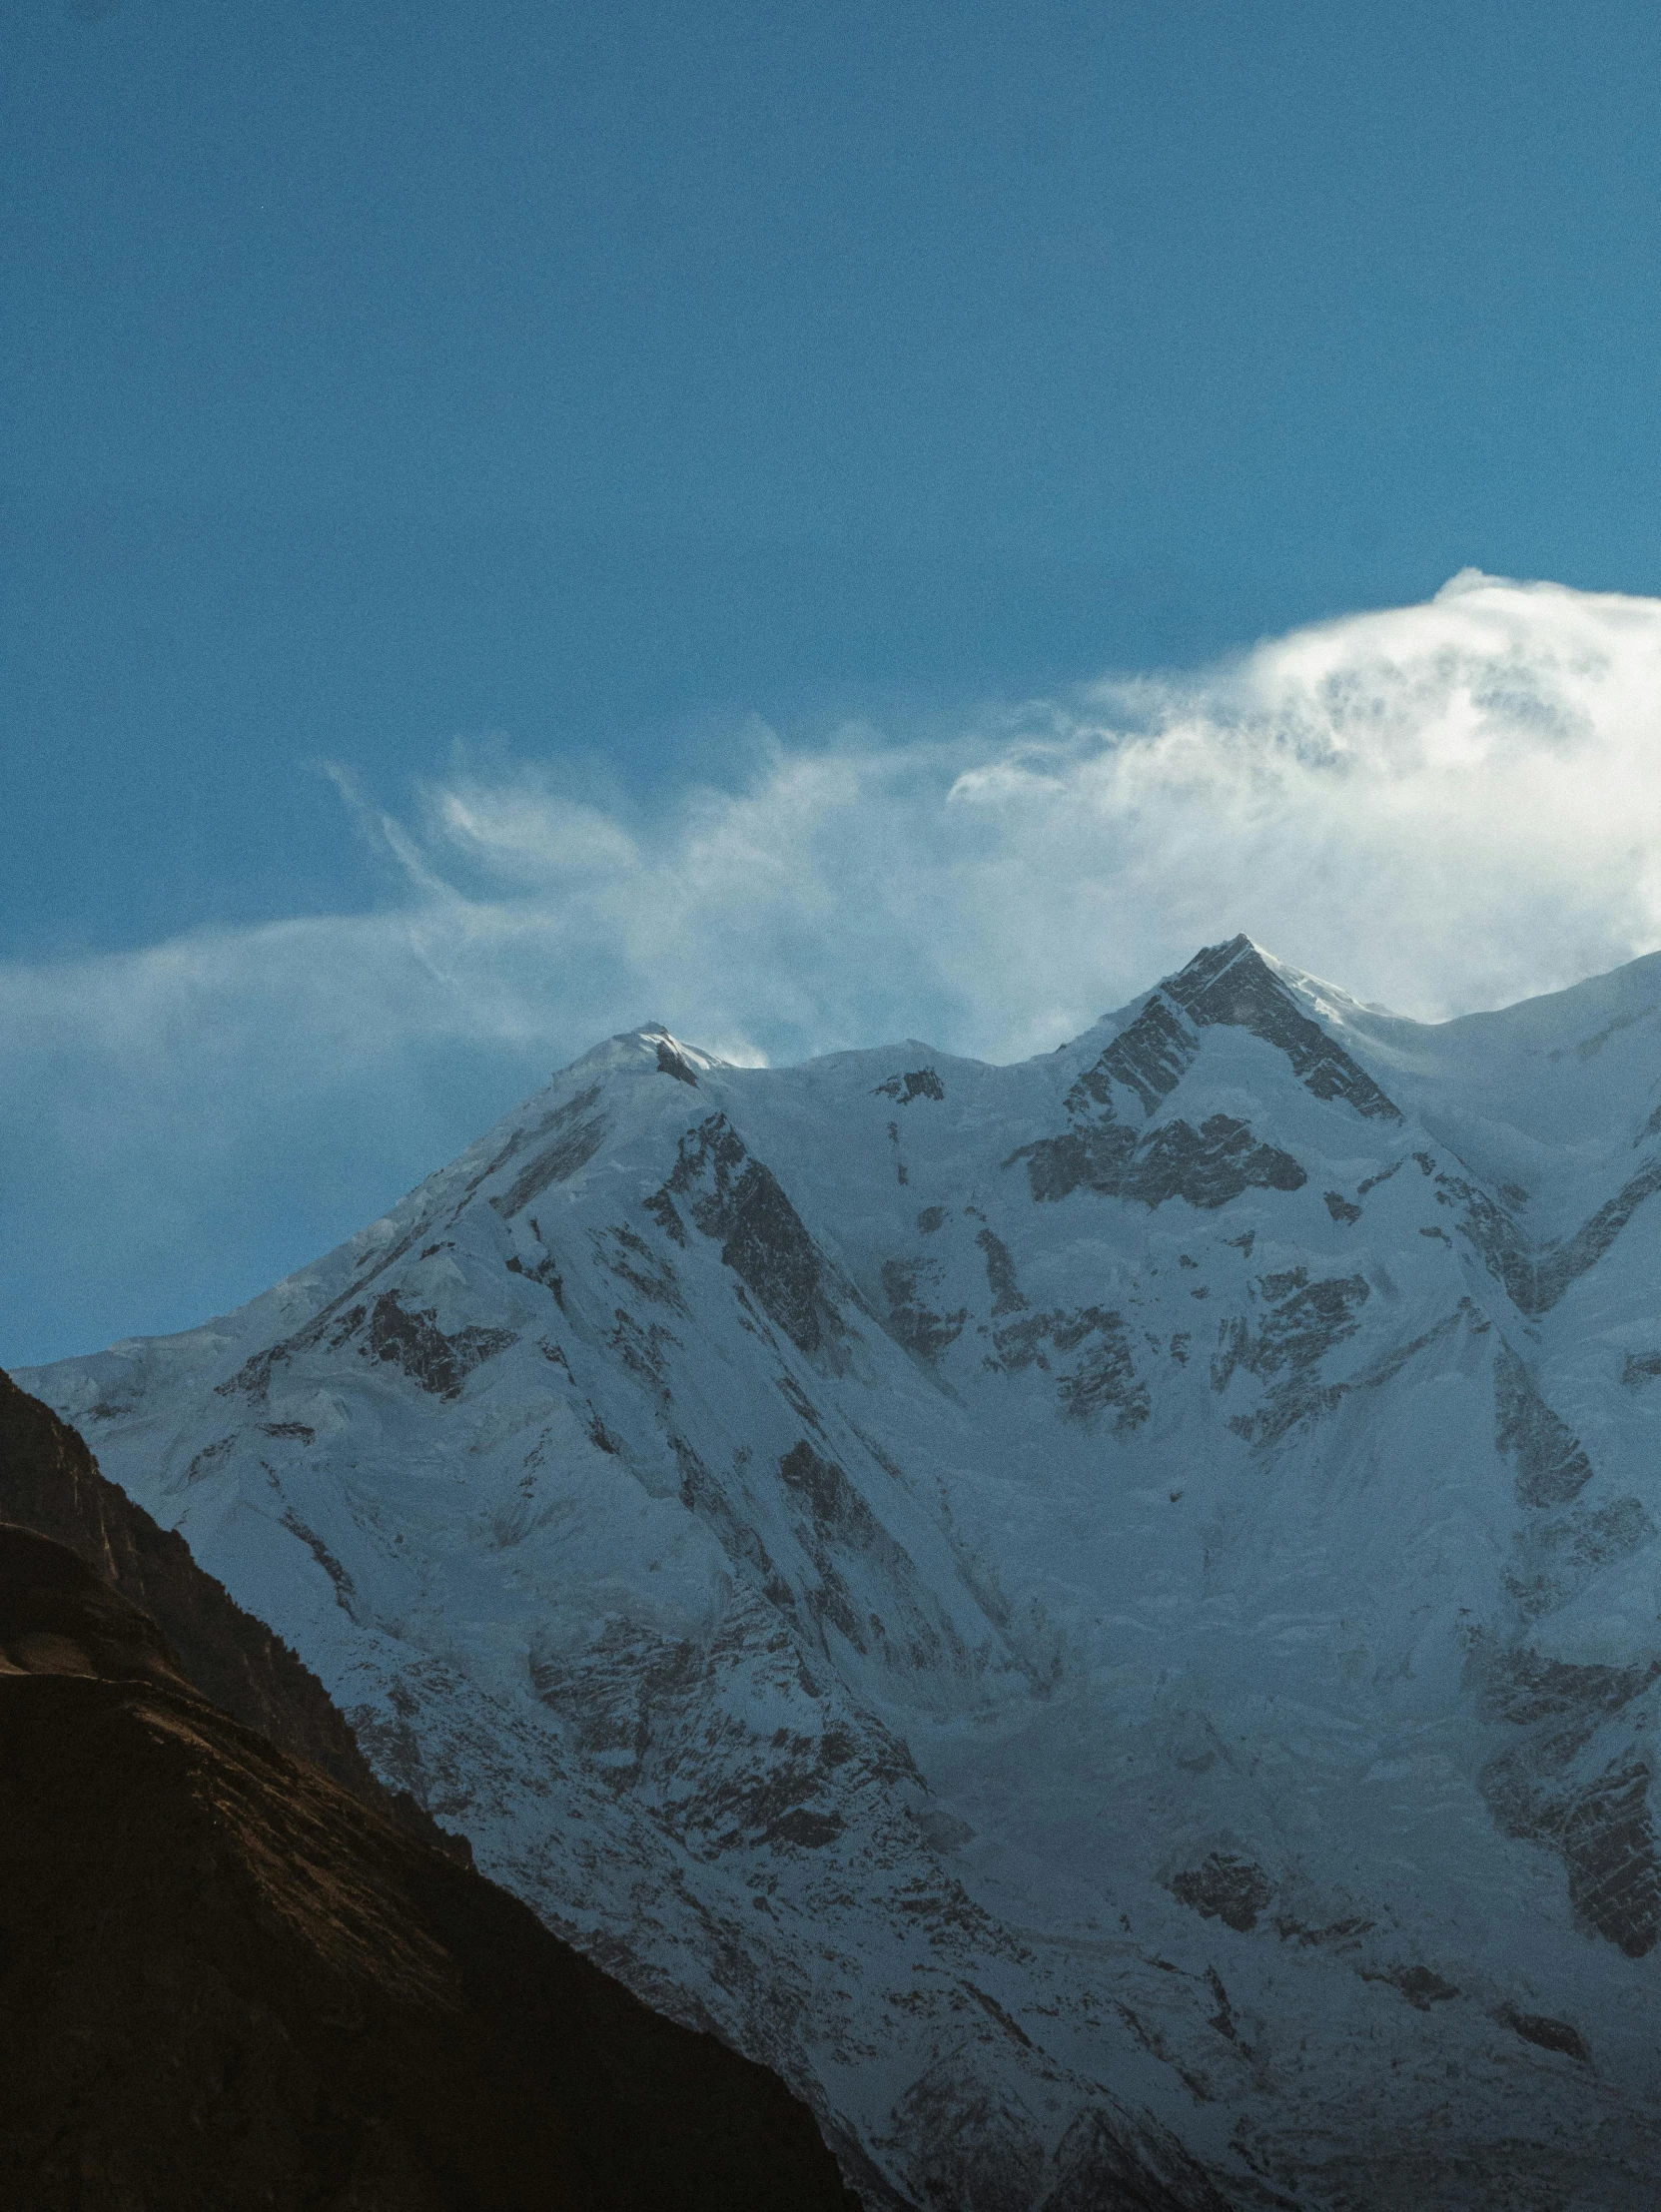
point(50, 1482)
point(226, 1981)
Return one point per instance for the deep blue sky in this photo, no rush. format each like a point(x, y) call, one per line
point(375, 373)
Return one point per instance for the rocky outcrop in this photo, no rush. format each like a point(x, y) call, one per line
point(740, 1201)
point(1205, 1167)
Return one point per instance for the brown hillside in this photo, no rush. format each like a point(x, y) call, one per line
point(50, 1481)
point(226, 1982)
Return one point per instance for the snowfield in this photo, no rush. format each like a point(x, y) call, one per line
point(1101, 1616)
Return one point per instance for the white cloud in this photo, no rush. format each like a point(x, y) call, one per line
point(1441, 807)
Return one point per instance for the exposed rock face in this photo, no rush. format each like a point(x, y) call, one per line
point(1226, 1887)
point(1205, 1167)
point(1231, 983)
point(226, 1982)
point(1104, 1617)
point(737, 1199)
point(49, 1482)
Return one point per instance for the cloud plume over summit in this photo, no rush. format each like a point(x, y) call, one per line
point(1439, 807)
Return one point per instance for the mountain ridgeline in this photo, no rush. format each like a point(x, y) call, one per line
point(1103, 1617)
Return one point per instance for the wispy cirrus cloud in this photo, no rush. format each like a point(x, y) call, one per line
point(1441, 807)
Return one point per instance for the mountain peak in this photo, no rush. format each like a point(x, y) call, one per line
point(1237, 985)
point(1212, 963)
point(654, 1048)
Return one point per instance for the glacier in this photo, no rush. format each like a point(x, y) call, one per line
point(1102, 1616)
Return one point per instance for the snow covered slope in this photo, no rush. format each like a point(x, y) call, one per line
point(1101, 1616)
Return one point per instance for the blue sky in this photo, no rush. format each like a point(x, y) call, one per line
point(648, 397)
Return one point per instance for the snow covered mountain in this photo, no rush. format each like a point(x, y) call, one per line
point(1104, 1616)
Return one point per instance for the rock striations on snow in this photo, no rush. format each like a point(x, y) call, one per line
point(1101, 1616)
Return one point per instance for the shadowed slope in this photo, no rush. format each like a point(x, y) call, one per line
point(50, 1482)
point(225, 1980)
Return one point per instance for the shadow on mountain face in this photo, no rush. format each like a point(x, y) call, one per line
point(226, 1980)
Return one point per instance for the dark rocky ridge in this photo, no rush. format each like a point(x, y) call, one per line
point(49, 1482)
point(227, 1979)
point(1233, 984)
point(1226, 985)
point(1230, 985)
